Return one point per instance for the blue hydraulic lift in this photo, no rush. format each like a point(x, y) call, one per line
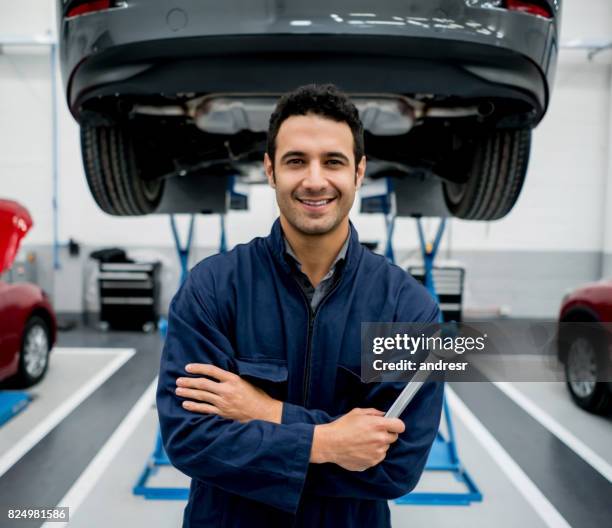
point(159, 458)
point(11, 404)
point(443, 455)
point(238, 201)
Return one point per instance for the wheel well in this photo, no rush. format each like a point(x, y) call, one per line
point(580, 314)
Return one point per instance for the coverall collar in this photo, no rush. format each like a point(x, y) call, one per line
point(276, 243)
point(339, 257)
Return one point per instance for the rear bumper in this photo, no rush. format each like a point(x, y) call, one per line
point(255, 46)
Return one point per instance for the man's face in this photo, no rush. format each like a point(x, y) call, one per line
point(314, 173)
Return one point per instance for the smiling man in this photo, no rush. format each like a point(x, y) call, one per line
point(259, 395)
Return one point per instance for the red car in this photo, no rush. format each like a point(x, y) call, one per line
point(585, 349)
point(27, 321)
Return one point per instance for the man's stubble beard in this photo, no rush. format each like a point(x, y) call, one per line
point(292, 215)
point(304, 225)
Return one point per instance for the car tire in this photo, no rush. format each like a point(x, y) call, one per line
point(34, 353)
point(581, 362)
point(113, 171)
point(495, 176)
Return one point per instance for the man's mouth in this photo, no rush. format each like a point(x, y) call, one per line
point(322, 202)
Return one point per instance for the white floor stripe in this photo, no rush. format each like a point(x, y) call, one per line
point(525, 486)
point(8, 459)
point(85, 483)
point(563, 434)
point(81, 351)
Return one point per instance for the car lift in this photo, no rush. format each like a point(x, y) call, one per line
point(11, 404)
point(159, 457)
point(443, 455)
point(238, 200)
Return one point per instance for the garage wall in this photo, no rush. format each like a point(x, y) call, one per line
point(558, 236)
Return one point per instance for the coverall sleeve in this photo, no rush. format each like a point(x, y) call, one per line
point(297, 414)
point(258, 460)
point(401, 469)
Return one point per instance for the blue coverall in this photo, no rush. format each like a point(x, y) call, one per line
point(244, 312)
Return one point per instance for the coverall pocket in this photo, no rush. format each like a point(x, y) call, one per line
point(270, 375)
point(350, 390)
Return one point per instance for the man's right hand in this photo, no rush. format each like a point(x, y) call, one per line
point(356, 441)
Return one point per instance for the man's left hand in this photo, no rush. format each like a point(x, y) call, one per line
point(230, 397)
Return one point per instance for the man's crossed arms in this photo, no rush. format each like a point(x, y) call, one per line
point(355, 441)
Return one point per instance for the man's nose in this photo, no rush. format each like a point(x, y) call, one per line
point(315, 179)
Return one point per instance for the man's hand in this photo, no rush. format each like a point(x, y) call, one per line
point(356, 441)
point(230, 397)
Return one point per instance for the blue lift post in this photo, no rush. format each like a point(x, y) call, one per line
point(389, 210)
point(159, 458)
point(11, 404)
point(443, 455)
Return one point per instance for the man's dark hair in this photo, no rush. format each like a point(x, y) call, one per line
point(323, 100)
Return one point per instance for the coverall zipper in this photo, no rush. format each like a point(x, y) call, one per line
point(311, 320)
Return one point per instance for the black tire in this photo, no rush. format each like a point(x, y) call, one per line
point(113, 171)
point(36, 328)
point(592, 396)
point(494, 179)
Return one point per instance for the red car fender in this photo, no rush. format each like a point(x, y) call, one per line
point(20, 302)
point(594, 299)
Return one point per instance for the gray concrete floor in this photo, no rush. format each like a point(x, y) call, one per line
point(67, 373)
point(110, 501)
point(554, 399)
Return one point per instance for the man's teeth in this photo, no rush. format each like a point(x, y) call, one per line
point(318, 202)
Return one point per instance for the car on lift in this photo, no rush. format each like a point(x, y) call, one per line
point(584, 345)
point(171, 95)
point(28, 326)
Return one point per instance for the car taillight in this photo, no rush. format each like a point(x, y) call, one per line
point(90, 7)
point(533, 8)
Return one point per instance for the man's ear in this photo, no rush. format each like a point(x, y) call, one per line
point(360, 174)
point(269, 170)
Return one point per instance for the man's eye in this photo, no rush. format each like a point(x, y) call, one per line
point(295, 161)
point(334, 162)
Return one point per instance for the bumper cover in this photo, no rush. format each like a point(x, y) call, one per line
point(261, 46)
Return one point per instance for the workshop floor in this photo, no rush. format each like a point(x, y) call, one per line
point(84, 440)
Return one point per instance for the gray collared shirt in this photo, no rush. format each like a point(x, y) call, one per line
point(315, 295)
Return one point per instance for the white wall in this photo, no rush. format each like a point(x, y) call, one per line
point(27, 17)
point(565, 205)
